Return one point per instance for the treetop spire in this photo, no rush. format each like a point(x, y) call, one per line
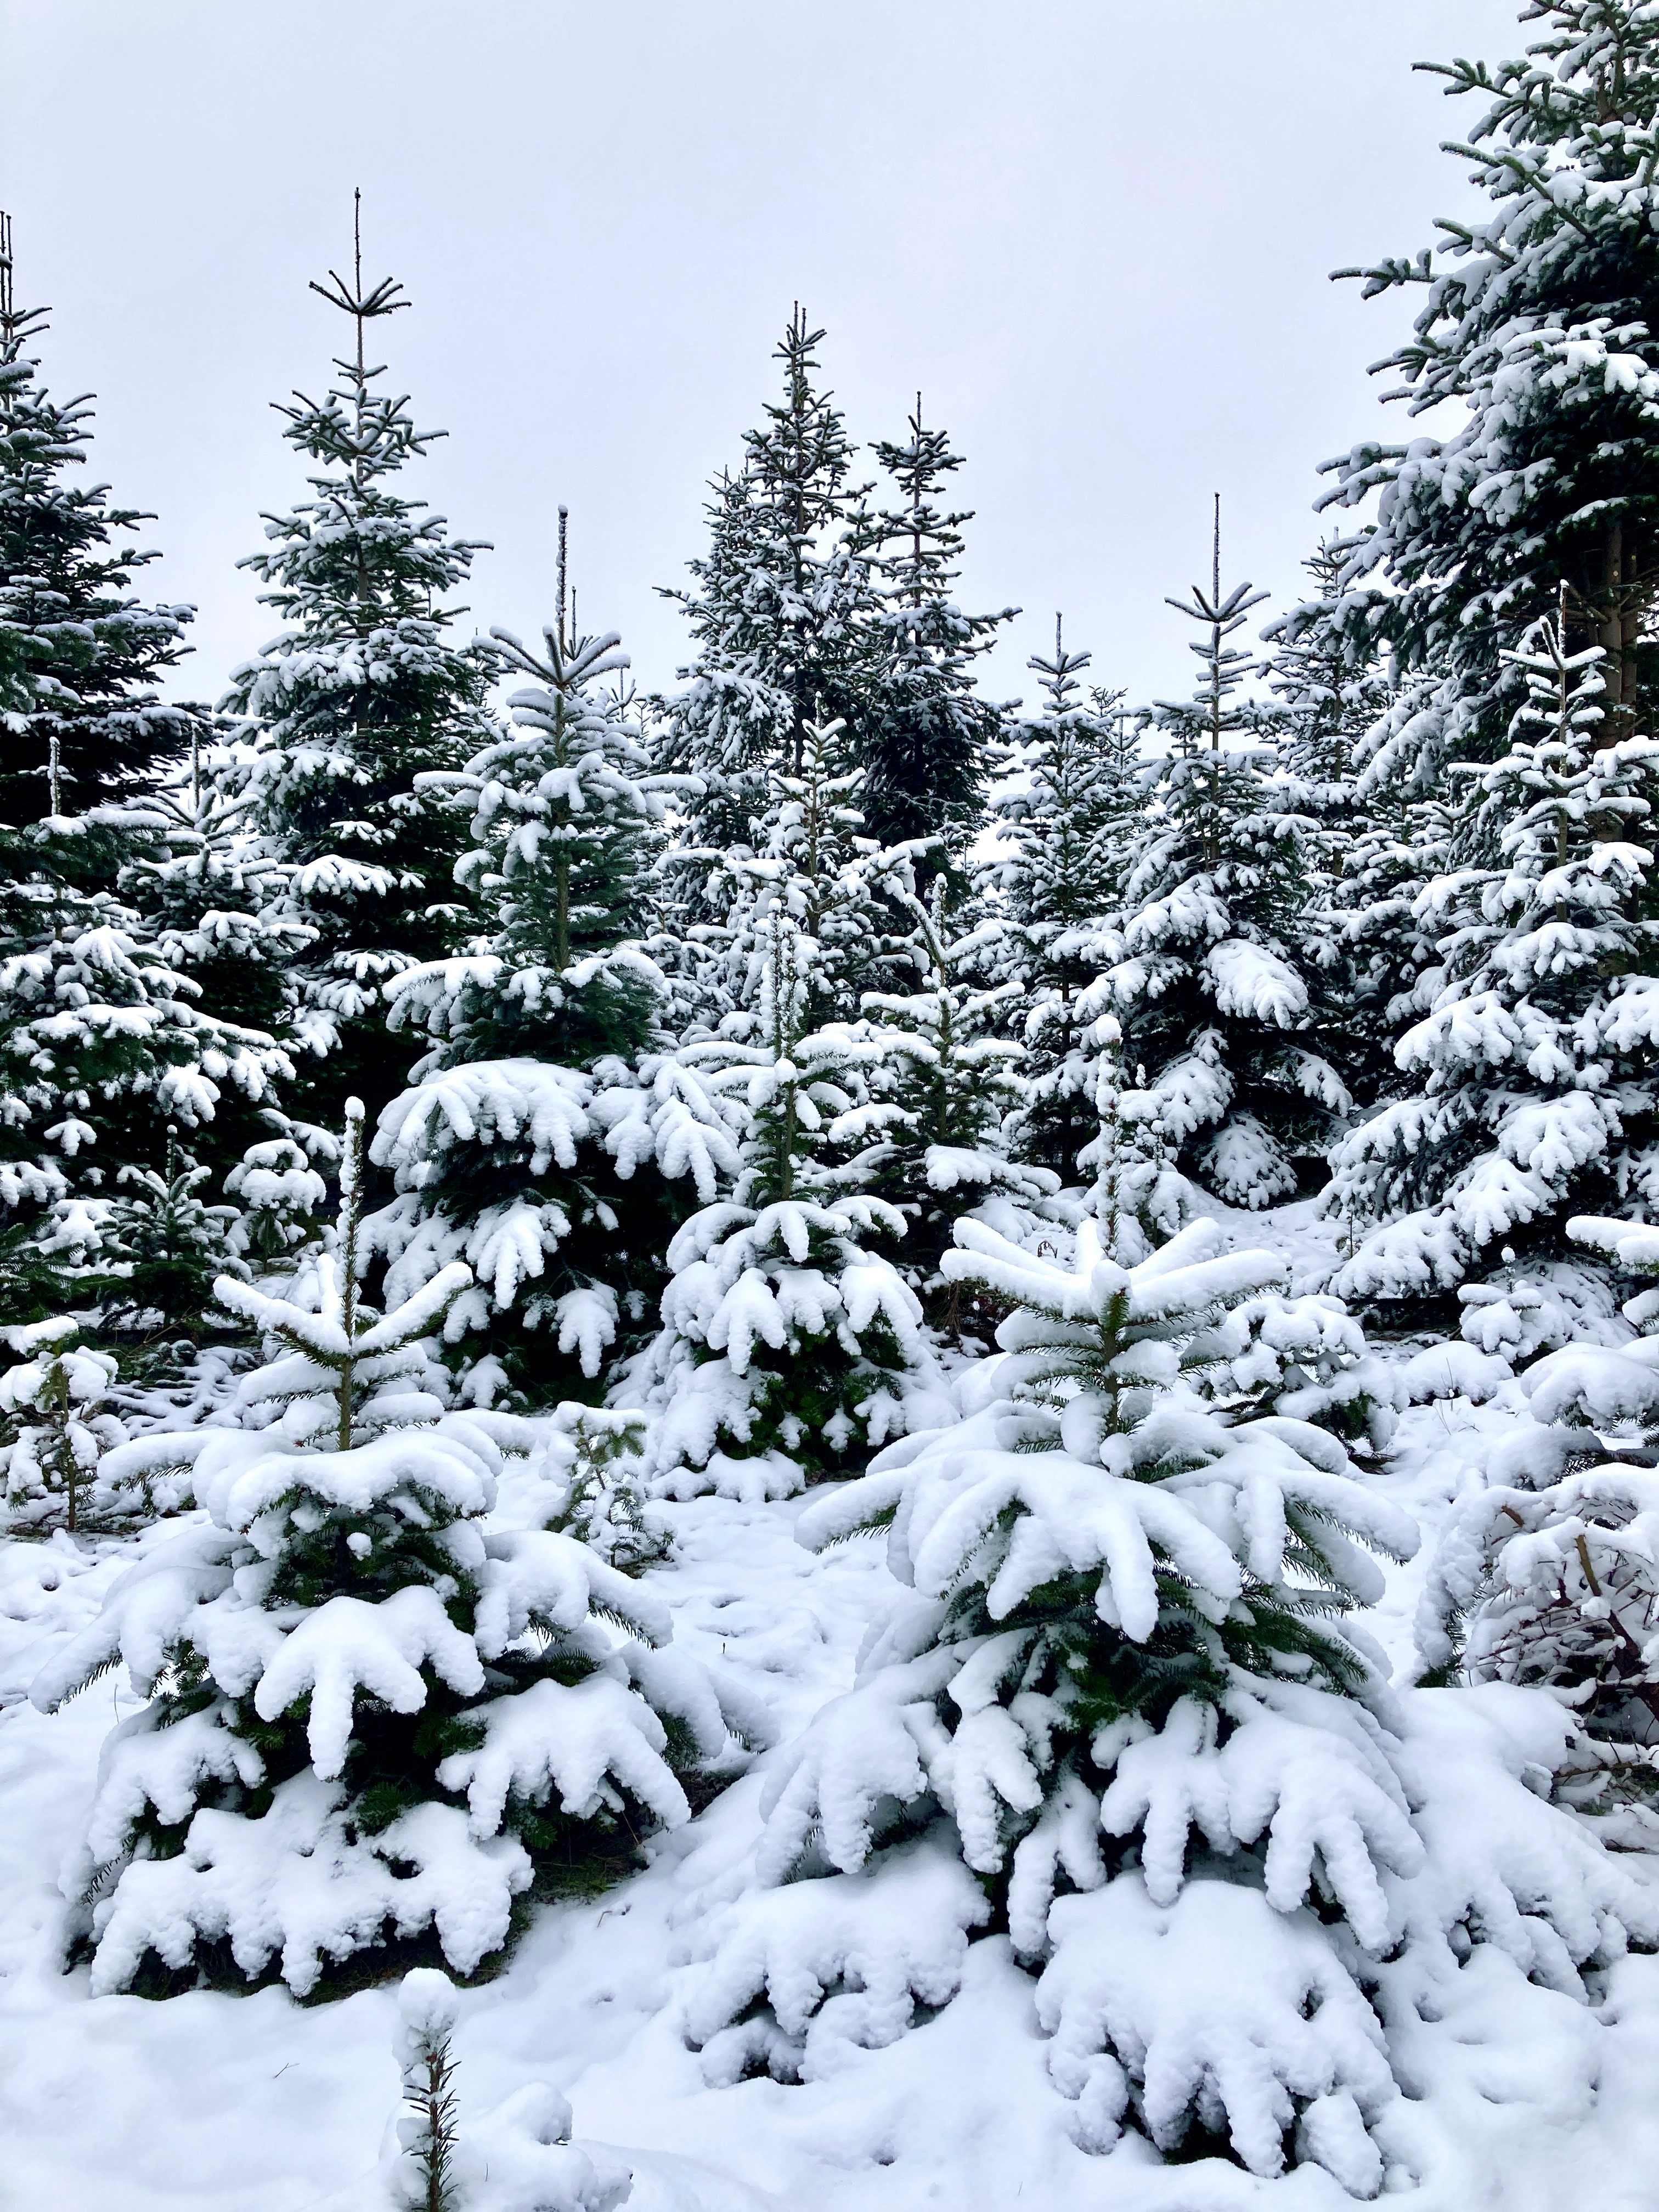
point(362, 306)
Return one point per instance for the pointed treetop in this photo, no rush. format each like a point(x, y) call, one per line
point(381, 300)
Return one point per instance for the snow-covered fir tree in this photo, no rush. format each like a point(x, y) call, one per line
point(1544, 1576)
point(1200, 963)
point(1065, 809)
point(779, 610)
point(1539, 328)
point(551, 1125)
point(789, 1338)
point(1331, 691)
point(104, 1042)
point(943, 1092)
point(369, 1714)
point(54, 1424)
point(84, 649)
point(361, 694)
point(1532, 1096)
point(1116, 1668)
point(926, 737)
point(215, 897)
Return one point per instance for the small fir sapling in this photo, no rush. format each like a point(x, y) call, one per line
point(1129, 1692)
point(53, 1428)
point(371, 1713)
point(1129, 1654)
point(1136, 1200)
point(595, 1458)
point(427, 2138)
point(517, 2158)
point(166, 1245)
point(278, 1191)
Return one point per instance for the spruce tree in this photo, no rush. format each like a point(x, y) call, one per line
point(789, 1341)
point(549, 1087)
point(1540, 332)
point(1202, 964)
point(1530, 1095)
point(370, 1714)
point(1066, 810)
point(80, 651)
point(779, 610)
point(1332, 693)
point(925, 736)
point(361, 695)
point(216, 899)
point(104, 1043)
point(1117, 1665)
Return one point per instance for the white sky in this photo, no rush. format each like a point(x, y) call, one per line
point(1096, 232)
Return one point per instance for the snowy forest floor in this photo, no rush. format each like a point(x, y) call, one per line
point(257, 2104)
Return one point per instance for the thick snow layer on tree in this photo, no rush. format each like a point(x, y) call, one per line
point(867, 2040)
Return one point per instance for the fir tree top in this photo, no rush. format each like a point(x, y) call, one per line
point(79, 652)
point(359, 699)
point(929, 734)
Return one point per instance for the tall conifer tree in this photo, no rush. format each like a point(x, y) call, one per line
point(361, 695)
point(1065, 815)
point(1540, 327)
point(927, 735)
point(104, 1047)
point(79, 650)
point(1202, 966)
point(779, 609)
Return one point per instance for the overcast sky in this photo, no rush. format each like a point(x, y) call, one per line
point(1096, 234)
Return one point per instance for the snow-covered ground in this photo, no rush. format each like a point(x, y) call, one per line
point(259, 2103)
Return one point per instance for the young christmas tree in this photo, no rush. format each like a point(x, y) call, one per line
point(1200, 964)
point(789, 1338)
point(1125, 1659)
point(926, 737)
point(1066, 810)
point(53, 1430)
point(361, 694)
point(943, 1094)
point(370, 1715)
point(1332, 694)
point(549, 1087)
point(1125, 1703)
point(1531, 1095)
point(780, 611)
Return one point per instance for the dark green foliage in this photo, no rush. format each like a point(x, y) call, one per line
point(360, 696)
point(925, 736)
